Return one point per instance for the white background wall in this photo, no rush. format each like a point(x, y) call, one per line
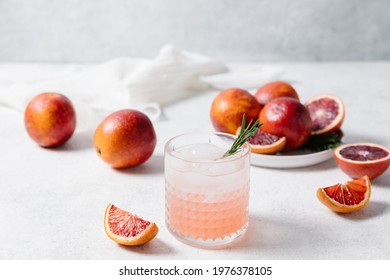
point(249, 30)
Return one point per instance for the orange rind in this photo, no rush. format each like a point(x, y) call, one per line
point(264, 143)
point(346, 198)
point(359, 159)
point(127, 229)
point(327, 112)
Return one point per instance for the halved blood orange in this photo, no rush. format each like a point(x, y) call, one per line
point(327, 113)
point(359, 159)
point(265, 143)
point(126, 228)
point(348, 197)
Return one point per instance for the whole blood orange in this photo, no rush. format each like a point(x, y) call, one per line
point(50, 119)
point(126, 228)
point(359, 159)
point(327, 113)
point(274, 90)
point(229, 106)
point(264, 143)
point(125, 138)
point(287, 117)
point(345, 198)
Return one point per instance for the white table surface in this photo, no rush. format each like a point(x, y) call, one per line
point(52, 202)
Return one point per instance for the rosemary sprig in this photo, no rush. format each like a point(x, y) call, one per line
point(245, 134)
point(317, 143)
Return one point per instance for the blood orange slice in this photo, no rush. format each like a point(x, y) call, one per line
point(357, 160)
point(348, 197)
point(265, 143)
point(327, 113)
point(126, 228)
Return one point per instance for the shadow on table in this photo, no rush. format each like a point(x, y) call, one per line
point(371, 210)
point(266, 235)
point(154, 247)
point(153, 165)
point(382, 181)
point(80, 140)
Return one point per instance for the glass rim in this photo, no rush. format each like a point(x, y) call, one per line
point(245, 149)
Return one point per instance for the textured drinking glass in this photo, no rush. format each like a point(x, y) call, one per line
point(206, 195)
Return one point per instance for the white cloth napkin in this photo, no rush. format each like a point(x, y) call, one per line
point(142, 84)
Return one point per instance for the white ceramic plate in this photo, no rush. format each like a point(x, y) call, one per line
point(291, 160)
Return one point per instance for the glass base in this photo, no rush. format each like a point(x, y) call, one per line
point(210, 243)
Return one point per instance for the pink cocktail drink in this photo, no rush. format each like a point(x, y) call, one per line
point(206, 194)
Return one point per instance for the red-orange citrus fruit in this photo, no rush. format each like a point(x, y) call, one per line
point(348, 197)
point(287, 117)
point(359, 159)
point(126, 228)
point(275, 90)
point(264, 143)
point(229, 106)
point(327, 113)
point(50, 119)
point(125, 138)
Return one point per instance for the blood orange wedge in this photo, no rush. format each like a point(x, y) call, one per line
point(265, 143)
point(348, 197)
point(126, 228)
point(357, 160)
point(327, 113)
